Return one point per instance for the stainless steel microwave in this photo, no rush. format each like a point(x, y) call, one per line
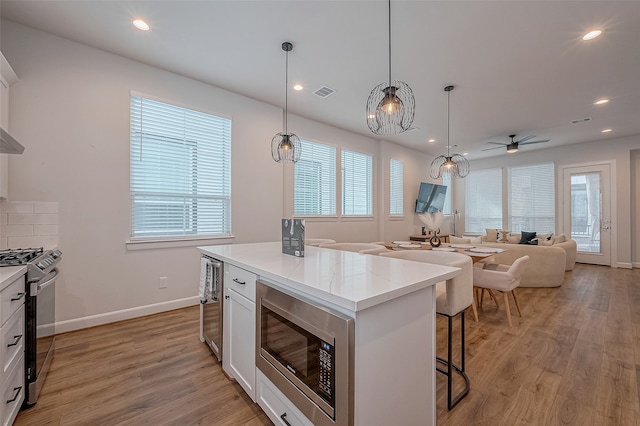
point(307, 351)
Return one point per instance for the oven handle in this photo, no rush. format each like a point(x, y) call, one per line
point(49, 281)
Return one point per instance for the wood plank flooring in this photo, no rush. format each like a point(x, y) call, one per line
point(572, 359)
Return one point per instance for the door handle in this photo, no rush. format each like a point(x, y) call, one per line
point(16, 339)
point(235, 280)
point(15, 395)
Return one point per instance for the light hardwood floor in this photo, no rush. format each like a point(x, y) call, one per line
point(574, 358)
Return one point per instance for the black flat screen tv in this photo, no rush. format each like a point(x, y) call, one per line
point(430, 198)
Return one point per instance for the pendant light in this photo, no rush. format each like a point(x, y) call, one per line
point(391, 105)
point(285, 146)
point(455, 164)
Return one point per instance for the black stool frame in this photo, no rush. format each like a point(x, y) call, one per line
point(451, 367)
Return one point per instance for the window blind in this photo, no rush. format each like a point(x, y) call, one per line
point(483, 200)
point(357, 177)
point(180, 171)
point(314, 190)
point(446, 181)
point(531, 194)
point(396, 190)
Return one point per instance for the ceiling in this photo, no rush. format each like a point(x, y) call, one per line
point(518, 66)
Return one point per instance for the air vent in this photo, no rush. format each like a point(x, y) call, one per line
point(581, 120)
point(324, 91)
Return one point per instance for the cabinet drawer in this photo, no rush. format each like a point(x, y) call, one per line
point(12, 340)
point(11, 298)
point(13, 393)
point(244, 282)
point(276, 406)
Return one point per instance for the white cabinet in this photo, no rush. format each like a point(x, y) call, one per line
point(12, 349)
point(278, 408)
point(239, 325)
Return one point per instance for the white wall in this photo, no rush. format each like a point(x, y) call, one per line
point(635, 207)
point(71, 111)
point(617, 150)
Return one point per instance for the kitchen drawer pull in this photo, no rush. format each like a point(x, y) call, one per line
point(16, 339)
point(235, 280)
point(15, 395)
point(284, 419)
point(15, 299)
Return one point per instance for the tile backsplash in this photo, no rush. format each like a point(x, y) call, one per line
point(28, 224)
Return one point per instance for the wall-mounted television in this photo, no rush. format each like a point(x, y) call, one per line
point(430, 198)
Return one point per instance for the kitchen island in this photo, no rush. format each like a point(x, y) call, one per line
point(392, 304)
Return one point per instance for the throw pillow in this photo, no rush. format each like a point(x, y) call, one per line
point(526, 237)
point(548, 237)
point(560, 239)
point(492, 235)
point(514, 238)
point(458, 240)
point(502, 236)
point(475, 240)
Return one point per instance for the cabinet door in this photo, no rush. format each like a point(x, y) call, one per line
point(239, 343)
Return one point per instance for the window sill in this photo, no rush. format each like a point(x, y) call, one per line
point(159, 243)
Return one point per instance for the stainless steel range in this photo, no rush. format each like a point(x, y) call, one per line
point(39, 310)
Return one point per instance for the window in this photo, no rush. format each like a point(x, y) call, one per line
point(531, 196)
point(314, 190)
point(396, 190)
point(483, 200)
point(446, 181)
point(180, 171)
point(357, 177)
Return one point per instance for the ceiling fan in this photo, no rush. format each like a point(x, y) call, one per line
point(513, 146)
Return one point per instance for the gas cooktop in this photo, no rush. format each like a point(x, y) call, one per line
point(16, 257)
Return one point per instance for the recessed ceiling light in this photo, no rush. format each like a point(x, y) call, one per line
point(432, 140)
point(601, 101)
point(607, 130)
point(298, 87)
point(141, 25)
point(591, 35)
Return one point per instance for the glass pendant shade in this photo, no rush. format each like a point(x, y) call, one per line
point(285, 148)
point(390, 109)
point(455, 165)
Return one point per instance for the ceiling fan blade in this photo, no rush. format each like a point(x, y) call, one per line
point(495, 147)
point(498, 143)
point(526, 138)
point(529, 143)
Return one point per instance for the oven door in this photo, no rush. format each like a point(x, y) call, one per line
point(40, 333)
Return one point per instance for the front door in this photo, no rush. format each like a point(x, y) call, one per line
point(587, 211)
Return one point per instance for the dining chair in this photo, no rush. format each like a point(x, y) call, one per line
point(503, 278)
point(453, 297)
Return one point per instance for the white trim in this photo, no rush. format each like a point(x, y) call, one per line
point(636, 264)
point(625, 265)
point(124, 314)
point(179, 242)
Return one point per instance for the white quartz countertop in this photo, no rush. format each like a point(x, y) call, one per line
point(346, 279)
point(10, 273)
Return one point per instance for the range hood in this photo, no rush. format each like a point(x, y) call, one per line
point(8, 145)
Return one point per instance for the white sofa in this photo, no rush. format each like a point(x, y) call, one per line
point(547, 263)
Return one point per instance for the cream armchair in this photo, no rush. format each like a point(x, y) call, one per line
point(453, 297)
point(503, 278)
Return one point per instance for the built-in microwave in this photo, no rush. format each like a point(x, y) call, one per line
point(306, 350)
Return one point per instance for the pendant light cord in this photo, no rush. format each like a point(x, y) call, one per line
point(389, 43)
point(286, 83)
point(448, 122)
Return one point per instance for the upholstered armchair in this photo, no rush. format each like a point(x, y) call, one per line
point(504, 278)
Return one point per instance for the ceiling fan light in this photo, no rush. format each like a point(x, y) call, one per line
point(512, 148)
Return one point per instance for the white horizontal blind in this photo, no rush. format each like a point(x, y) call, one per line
point(180, 171)
point(357, 188)
point(446, 181)
point(396, 189)
point(483, 200)
point(532, 206)
point(314, 190)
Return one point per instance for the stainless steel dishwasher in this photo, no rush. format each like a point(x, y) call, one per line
point(211, 273)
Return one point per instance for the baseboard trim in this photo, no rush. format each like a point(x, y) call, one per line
point(636, 264)
point(625, 265)
point(124, 314)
